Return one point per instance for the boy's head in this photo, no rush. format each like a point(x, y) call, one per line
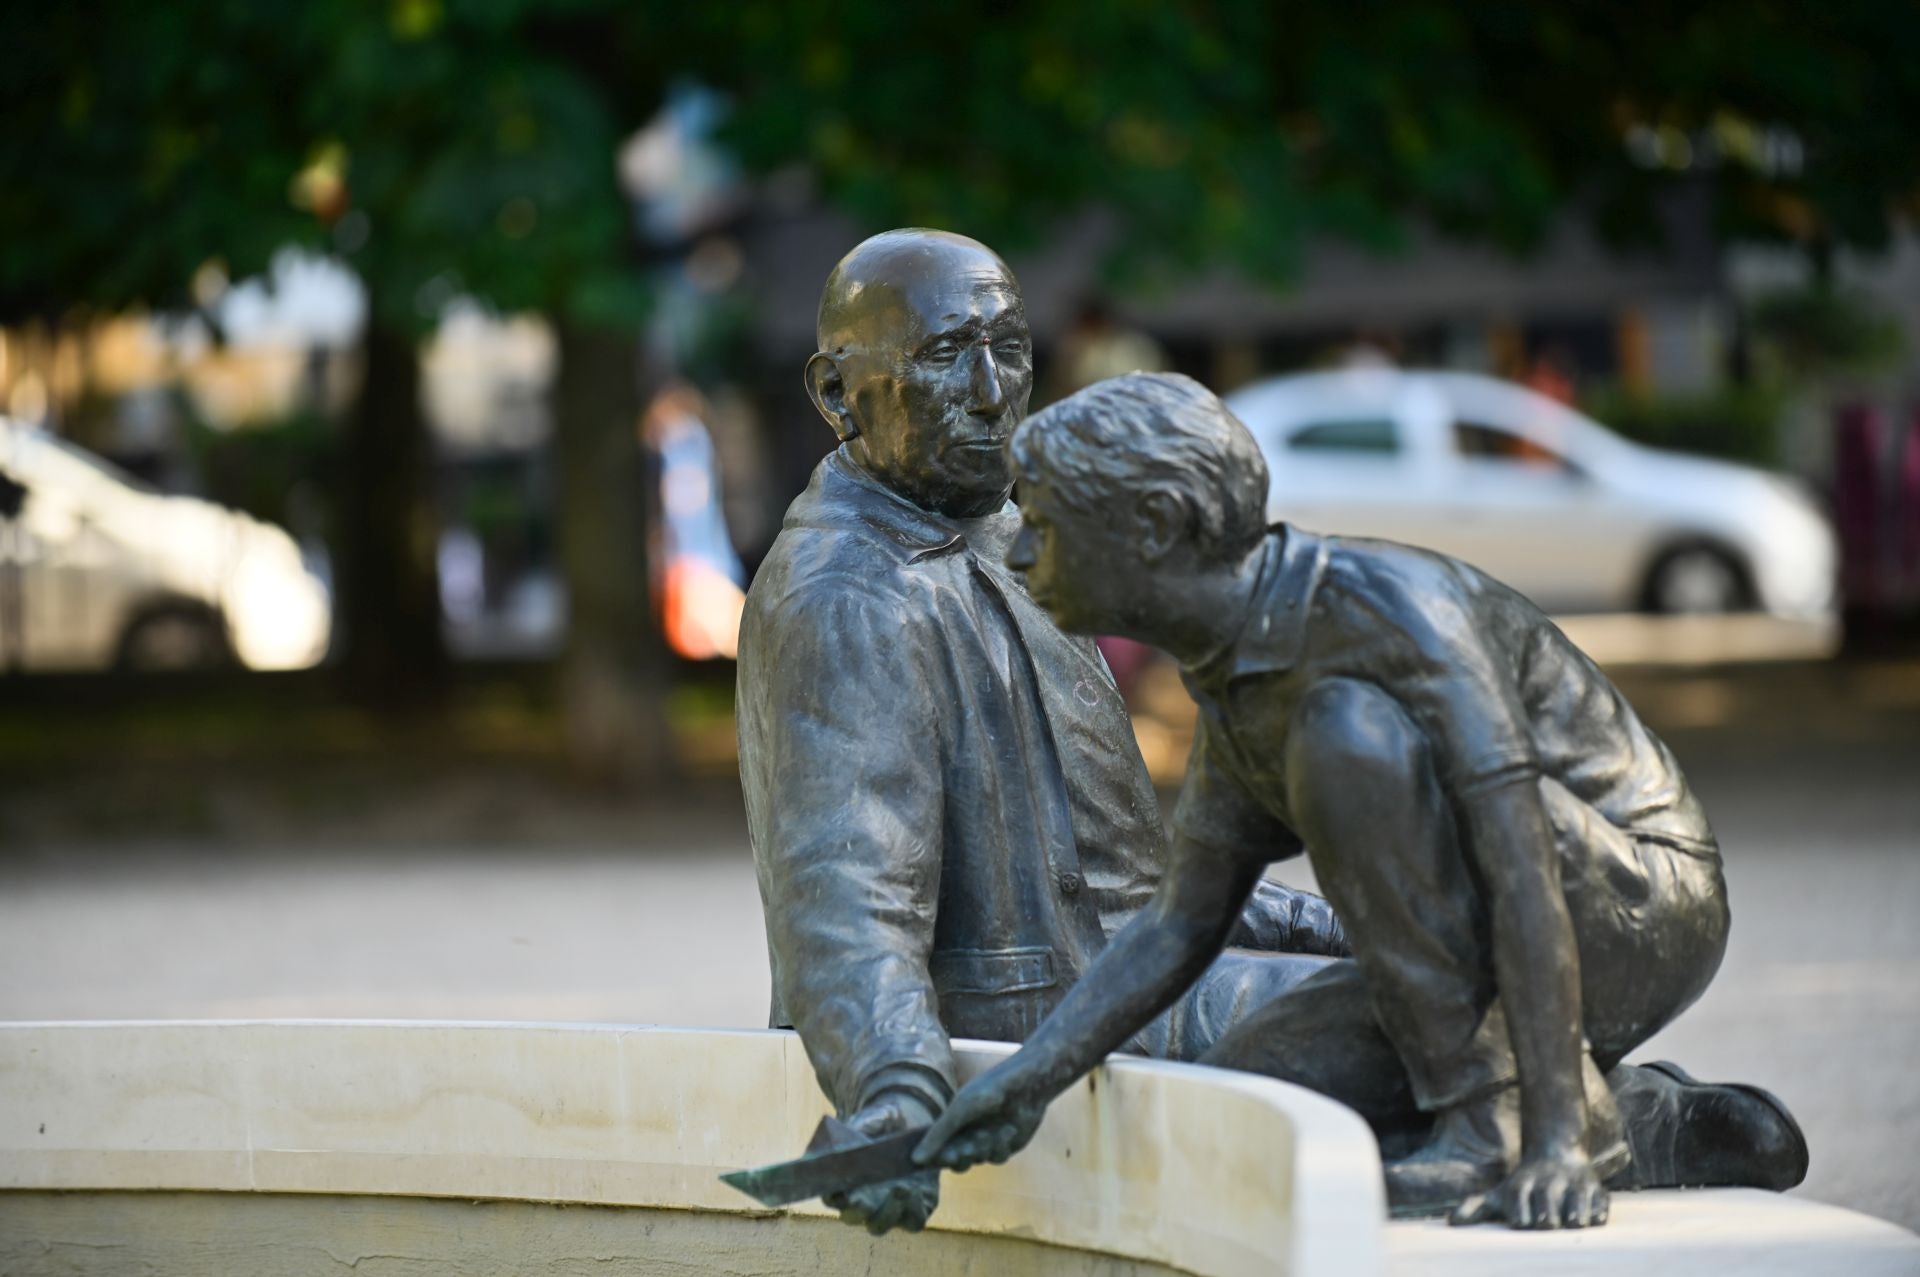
point(1126, 488)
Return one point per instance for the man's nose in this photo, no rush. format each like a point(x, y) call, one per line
point(986, 397)
point(1020, 553)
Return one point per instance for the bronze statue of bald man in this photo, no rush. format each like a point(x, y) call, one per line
point(948, 811)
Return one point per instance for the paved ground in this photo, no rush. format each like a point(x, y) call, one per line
point(1817, 800)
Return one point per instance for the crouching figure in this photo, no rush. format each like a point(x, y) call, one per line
point(1529, 887)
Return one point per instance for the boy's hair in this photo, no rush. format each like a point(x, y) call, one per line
point(1102, 446)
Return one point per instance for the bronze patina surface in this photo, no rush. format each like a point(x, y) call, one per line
point(950, 816)
point(1530, 888)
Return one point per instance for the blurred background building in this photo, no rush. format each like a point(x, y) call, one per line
point(1695, 250)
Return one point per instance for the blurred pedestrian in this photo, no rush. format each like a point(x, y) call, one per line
point(698, 580)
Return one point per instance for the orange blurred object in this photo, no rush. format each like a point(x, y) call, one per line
point(700, 609)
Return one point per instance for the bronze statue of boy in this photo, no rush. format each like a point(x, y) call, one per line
point(1529, 886)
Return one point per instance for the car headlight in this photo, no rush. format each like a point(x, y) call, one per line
point(278, 614)
point(1798, 553)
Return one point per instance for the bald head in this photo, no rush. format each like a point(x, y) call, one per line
point(924, 366)
point(882, 287)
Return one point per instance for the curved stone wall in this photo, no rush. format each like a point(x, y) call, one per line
point(1210, 1172)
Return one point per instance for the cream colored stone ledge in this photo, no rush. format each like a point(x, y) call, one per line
point(1212, 1172)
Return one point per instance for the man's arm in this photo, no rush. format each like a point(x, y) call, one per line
point(841, 763)
point(1276, 918)
point(1142, 972)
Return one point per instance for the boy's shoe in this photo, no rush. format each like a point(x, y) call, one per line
point(1686, 1133)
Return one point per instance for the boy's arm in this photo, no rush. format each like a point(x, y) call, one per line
point(1537, 970)
point(1142, 972)
point(1215, 810)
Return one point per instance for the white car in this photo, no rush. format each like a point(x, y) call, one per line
point(1536, 495)
point(99, 571)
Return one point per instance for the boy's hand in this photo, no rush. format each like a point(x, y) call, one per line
point(1558, 1190)
point(990, 1120)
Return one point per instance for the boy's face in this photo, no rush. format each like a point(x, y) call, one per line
point(1077, 566)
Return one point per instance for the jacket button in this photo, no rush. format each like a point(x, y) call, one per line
point(1070, 883)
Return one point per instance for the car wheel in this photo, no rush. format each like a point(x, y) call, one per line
point(175, 639)
point(1695, 580)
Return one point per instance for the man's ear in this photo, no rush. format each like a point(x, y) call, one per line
point(1160, 522)
point(829, 394)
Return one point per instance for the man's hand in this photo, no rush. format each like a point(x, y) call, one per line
point(1282, 919)
point(1316, 929)
point(906, 1202)
point(991, 1119)
point(1556, 1191)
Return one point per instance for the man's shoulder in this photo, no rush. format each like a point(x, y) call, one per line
point(839, 589)
point(819, 564)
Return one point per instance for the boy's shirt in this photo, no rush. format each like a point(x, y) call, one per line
point(1498, 690)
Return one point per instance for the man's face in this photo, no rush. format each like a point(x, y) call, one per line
point(937, 384)
point(1076, 566)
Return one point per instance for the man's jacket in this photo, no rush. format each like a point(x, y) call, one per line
point(948, 811)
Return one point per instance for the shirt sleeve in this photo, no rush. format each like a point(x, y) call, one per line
point(1459, 684)
point(840, 754)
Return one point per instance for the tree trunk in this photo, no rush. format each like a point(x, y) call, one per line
point(613, 674)
point(388, 583)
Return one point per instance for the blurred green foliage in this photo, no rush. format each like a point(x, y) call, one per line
point(438, 148)
point(1232, 130)
point(1739, 423)
point(1799, 337)
point(1822, 330)
point(467, 145)
point(268, 467)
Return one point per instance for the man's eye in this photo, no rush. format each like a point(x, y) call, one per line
point(1010, 348)
point(944, 353)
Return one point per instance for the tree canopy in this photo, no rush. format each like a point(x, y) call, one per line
point(438, 149)
point(468, 143)
point(1235, 130)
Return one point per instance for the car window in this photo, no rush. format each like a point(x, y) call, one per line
point(1371, 435)
point(1490, 443)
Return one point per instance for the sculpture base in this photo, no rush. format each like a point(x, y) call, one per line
point(314, 1235)
point(288, 1148)
point(1670, 1233)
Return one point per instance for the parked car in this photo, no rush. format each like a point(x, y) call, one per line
point(1536, 494)
point(97, 570)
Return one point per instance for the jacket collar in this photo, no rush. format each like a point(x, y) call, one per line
point(845, 497)
point(1275, 629)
